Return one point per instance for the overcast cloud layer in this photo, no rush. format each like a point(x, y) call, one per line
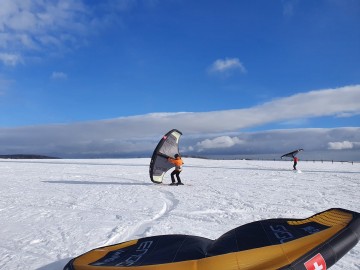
point(215, 133)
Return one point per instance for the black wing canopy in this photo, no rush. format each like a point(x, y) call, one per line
point(167, 147)
point(273, 244)
point(292, 154)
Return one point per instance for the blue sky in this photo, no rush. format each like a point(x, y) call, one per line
point(67, 62)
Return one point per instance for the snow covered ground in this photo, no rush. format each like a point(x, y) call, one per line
point(53, 210)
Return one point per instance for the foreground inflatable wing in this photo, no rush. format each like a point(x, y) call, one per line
point(167, 147)
point(317, 242)
point(292, 154)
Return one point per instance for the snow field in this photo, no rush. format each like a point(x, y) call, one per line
point(54, 210)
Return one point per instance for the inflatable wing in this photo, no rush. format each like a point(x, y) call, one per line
point(167, 147)
point(314, 243)
point(292, 154)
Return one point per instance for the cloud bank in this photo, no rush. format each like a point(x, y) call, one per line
point(343, 145)
point(218, 143)
point(206, 132)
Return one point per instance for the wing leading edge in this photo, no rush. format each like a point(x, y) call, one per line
point(273, 244)
point(292, 154)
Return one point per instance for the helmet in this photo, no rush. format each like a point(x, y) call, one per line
point(177, 155)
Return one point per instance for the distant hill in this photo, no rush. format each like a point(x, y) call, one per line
point(26, 156)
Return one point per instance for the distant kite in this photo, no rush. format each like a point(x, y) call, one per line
point(317, 242)
point(167, 147)
point(292, 154)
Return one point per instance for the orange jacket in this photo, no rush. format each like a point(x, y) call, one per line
point(177, 162)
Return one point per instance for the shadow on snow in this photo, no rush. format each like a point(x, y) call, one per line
point(77, 182)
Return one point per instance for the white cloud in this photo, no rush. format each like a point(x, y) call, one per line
point(347, 114)
point(343, 145)
point(58, 75)
point(10, 59)
point(43, 26)
point(218, 142)
point(226, 66)
point(274, 141)
point(205, 131)
point(26, 27)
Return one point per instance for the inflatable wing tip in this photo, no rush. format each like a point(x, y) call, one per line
point(319, 239)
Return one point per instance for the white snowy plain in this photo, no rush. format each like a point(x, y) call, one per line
point(54, 210)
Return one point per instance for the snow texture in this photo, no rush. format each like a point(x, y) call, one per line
point(54, 210)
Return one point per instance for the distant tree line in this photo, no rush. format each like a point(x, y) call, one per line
point(26, 156)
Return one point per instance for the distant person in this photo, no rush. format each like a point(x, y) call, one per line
point(178, 162)
point(295, 162)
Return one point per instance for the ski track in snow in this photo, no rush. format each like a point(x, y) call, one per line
point(143, 228)
point(54, 210)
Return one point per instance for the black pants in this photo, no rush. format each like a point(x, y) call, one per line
point(294, 166)
point(177, 173)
